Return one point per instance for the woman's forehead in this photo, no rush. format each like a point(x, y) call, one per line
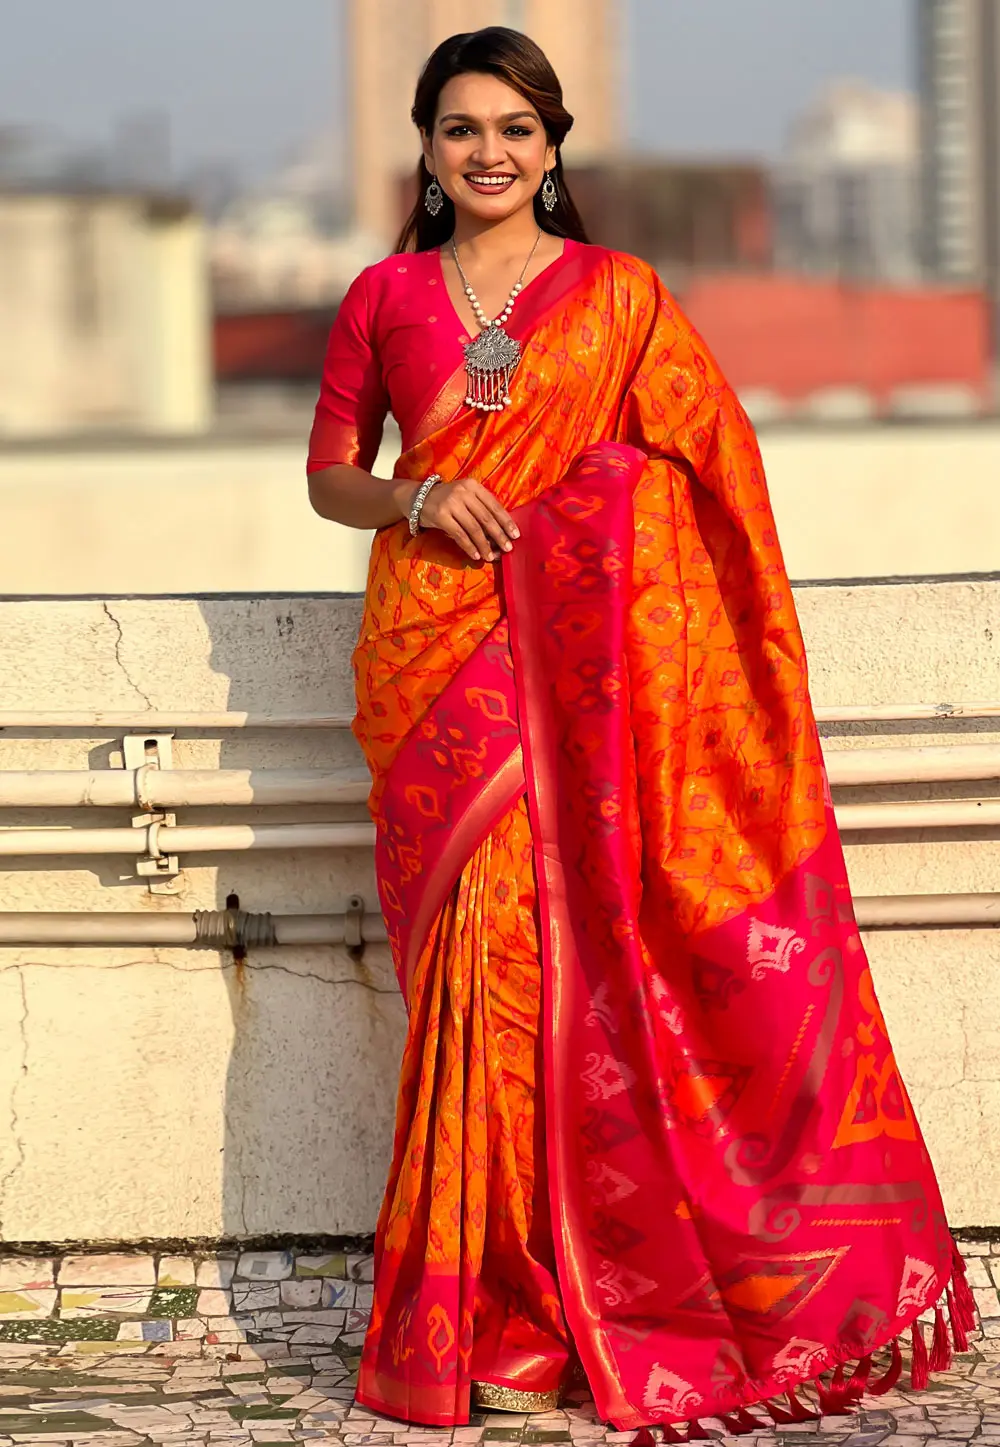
point(483, 98)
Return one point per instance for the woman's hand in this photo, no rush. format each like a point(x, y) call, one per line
point(471, 517)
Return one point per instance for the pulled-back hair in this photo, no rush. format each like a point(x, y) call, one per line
point(521, 64)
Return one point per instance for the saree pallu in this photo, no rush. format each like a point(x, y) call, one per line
point(649, 1121)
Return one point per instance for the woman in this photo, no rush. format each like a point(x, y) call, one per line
point(649, 1121)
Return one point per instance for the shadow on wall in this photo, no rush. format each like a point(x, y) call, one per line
point(310, 1087)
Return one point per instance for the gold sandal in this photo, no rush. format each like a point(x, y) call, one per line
point(488, 1397)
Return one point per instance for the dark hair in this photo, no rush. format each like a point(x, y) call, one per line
point(521, 64)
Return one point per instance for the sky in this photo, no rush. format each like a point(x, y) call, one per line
point(247, 80)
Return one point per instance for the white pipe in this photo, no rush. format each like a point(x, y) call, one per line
point(931, 765)
point(913, 910)
point(149, 788)
point(161, 839)
point(932, 814)
point(169, 720)
point(42, 928)
point(904, 712)
point(166, 721)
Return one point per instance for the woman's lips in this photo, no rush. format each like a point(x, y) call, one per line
point(486, 186)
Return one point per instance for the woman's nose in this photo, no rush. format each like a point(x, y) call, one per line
point(491, 151)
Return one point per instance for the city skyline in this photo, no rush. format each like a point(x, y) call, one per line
point(250, 84)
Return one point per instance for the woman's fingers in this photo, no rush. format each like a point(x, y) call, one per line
point(491, 523)
point(501, 514)
point(472, 525)
point(459, 535)
point(472, 517)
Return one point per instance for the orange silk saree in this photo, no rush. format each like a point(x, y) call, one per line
point(649, 1121)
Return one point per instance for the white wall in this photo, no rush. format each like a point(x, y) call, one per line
point(234, 516)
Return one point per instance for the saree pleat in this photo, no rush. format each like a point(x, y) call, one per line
point(464, 1234)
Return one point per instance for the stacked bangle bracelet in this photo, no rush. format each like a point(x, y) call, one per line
point(417, 506)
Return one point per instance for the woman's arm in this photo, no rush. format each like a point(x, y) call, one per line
point(351, 496)
point(463, 509)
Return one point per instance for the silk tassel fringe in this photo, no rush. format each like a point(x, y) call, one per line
point(843, 1395)
point(919, 1367)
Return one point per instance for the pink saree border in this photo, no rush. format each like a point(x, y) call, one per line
point(459, 771)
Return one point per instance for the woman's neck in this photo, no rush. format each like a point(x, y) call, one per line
point(491, 241)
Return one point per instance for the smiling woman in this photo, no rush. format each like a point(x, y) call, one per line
point(650, 1127)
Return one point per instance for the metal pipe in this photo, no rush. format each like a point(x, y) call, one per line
point(944, 763)
point(191, 720)
point(82, 928)
point(149, 788)
point(161, 839)
point(873, 912)
point(166, 721)
point(913, 910)
point(931, 814)
point(904, 712)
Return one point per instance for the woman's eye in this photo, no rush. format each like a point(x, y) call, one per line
point(518, 131)
point(457, 131)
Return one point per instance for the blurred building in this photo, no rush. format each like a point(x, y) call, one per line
point(846, 191)
point(272, 251)
point(959, 42)
point(679, 216)
point(817, 348)
point(288, 242)
point(105, 307)
point(389, 42)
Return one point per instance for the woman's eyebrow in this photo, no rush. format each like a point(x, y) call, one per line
point(513, 116)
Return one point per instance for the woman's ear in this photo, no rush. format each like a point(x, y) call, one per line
point(551, 156)
point(425, 141)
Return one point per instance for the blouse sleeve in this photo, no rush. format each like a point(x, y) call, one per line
point(352, 400)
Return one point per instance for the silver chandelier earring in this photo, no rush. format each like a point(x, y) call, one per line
point(434, 197)
point(549, 193)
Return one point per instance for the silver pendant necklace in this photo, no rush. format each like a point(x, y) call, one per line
point(490, 360)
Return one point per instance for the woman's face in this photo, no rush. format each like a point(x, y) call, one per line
point(488, 148)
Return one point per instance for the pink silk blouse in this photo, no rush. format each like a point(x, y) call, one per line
point(395, 342)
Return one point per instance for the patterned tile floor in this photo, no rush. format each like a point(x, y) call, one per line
point(183, 1393)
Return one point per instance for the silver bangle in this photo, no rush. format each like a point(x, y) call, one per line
point(417, 506)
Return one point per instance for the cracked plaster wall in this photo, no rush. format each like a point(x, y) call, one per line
point(168, 1093)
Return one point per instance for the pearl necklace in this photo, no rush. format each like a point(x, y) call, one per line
point(490, 360)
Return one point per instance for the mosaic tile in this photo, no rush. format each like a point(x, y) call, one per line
point(145, 1331)
point(27, 1273)
point(190, 1328)
point(52, 1329)
point(213, 1302)
point(174, 1301)
point(176, 1271)
point(217, 1272)
point(361, 1268)
point(92, 1301)
point(265, 1265)
point(105, 1271)
point(255, 1298)
point(16, 1305)
point(300, 1294)
point(335, 1264)
point(337, 1293)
